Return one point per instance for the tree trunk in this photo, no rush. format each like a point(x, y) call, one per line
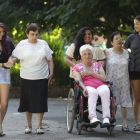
point(108, 42)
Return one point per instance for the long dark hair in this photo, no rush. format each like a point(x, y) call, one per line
point(5, 42)
point(79, 41)
point(136, 18)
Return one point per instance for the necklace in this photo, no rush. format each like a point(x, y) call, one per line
point(87, 68)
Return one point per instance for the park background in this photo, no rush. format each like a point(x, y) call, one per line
point(59, 21)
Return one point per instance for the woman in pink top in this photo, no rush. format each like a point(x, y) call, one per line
point(91, 78)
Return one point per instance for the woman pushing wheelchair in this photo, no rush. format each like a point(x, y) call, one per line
point(92, 78)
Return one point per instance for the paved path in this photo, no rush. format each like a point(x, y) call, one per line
point(54, 124)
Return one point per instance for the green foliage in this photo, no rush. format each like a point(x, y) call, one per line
point(15, 75)
point(103, 16)
point(61, 70)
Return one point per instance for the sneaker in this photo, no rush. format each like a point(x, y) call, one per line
point(106, 121)
point(94, 121)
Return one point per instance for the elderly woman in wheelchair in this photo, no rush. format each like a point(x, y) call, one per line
point(91, 77)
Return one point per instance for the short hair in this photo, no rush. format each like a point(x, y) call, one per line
point(84, 47)
point(32, 27)
point(113, 34)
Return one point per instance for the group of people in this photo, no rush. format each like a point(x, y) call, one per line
point(35, 74)
point(86, 63)
point(122, 68)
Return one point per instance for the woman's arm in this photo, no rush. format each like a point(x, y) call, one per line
point(51, 67)
point(77, 76)
point(69, 62)
point(101, 76)
point(102, 62)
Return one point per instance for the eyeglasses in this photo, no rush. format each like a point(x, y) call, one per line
point(32, 34)
point(118, 38)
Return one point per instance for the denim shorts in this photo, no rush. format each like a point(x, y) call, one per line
point(4, 76)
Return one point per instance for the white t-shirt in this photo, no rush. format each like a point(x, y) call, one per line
point(33, 59)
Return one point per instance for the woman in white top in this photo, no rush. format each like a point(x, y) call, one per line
point(36, 73)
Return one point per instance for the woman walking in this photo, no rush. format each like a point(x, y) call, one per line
point(6, 48)
point(36, 73)
point(133, 42)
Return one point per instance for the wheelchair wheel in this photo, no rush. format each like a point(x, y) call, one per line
point(110, 130)
point(78, 128)
point(70, 111)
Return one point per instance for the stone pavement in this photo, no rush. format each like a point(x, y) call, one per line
point(54, 124)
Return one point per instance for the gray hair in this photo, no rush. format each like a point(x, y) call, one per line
point(84, 47)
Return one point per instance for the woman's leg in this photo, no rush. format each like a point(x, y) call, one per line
point(29, 119)
point(135, 84)
point(4, 97)
point(0, 124)
point(92, 100)
point(104, 94)
point(124, 116)
point(39, 117)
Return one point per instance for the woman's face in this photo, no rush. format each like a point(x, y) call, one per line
point(87, 55)
point(2, 32)
point(117, 41)
point(88, 37)
point(137, 25)
point(33, 36)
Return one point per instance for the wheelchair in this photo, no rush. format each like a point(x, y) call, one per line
point(77, 109)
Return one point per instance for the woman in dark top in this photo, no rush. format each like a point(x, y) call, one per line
point(6, 48)
point(133, 42)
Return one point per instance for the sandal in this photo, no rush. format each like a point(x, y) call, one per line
point(125, 129)
point(28, 130)
point(136, 127)
point(89, 129)
point(39, 131)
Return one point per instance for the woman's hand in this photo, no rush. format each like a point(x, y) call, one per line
point(85, 92)
point(85, 73)
point(49, 78)
point(8, 64)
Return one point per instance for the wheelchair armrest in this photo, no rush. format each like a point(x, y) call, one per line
point(109, 82)
point(76, 82)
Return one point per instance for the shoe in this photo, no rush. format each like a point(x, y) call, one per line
point(1, 135)
point(125, 129)
point(28, 130)
point(94, 121)
point(39, 131)
point(106, 121)
point(136, 127)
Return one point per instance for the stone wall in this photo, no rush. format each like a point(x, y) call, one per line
point(53, 92)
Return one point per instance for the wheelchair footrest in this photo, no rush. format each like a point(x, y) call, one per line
point(107, 125)
point(89, 124)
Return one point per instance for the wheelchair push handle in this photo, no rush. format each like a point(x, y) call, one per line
point(109, 82)
point(76, 82)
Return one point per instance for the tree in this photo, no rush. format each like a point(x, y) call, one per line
point(103, 17)
point(17, 15)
